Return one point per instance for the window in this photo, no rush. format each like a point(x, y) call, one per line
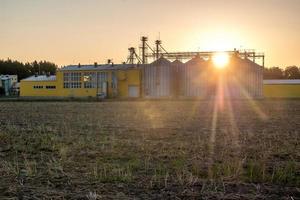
point(72, 80)
point(50, 87)
point(114, 80)
point(102, 77)
point(90, 80)
point(37, 87)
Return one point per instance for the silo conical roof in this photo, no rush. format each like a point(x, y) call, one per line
point(177, 62)
point(161, 61)
point(195, 60)
point(246, 61)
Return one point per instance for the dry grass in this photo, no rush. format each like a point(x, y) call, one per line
point(154, 150)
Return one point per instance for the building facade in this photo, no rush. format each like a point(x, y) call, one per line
point(197, 78)
point(105, 81)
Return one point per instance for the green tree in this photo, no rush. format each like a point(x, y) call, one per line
point(273, 73)
point(292, 72)
point(24, 70)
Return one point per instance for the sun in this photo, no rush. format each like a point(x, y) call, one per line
point(220, 60)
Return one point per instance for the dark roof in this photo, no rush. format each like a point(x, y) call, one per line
point(40, 78)
point(99, 67)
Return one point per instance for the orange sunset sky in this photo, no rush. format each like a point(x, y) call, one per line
point(88, 31)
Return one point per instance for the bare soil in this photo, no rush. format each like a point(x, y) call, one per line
point(150, 150)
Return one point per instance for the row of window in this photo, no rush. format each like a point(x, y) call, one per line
point(50, 87)
point(72, 80)
point(37, 87)
point(90, 79)
point(72, 77)
point(72, 85)
point(47, 87)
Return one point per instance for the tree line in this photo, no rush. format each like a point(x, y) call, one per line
point(290, 72)
point(24, 70)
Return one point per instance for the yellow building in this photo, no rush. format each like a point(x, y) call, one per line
point(39, 86)
point(282, 88)
point(106, 81)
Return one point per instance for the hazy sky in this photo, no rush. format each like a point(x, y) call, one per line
point(87, 31)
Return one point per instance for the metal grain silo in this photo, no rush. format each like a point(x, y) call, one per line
point(157, 77)
point(244, 79)
point(240, 79)
point(195, 78)
point(255, 78)
point(177, 78)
